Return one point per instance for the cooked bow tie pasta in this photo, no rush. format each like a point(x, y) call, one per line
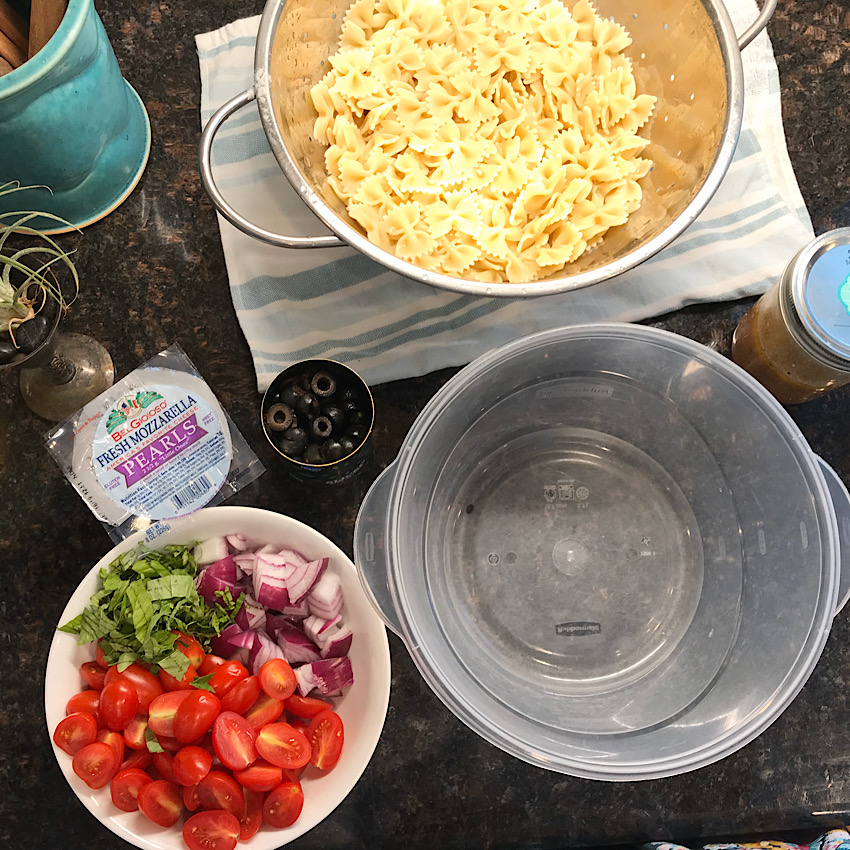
point(488, 139)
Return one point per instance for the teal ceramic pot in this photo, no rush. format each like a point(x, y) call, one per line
point(69, 120)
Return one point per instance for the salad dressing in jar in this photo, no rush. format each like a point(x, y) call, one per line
point(795, 340)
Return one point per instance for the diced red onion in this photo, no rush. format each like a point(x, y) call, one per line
point(222, 645)
point(237, 542)
point(325, 599)
point(246, 562)
point(303, 581)
point(298, 611)
point(338, 644)
point(208, 585)
point(325, 676)
point(297, 647)
point(319, 630)
point(251, 615)
point(264, 649)
point(225, 569)
point(293, 557)
point(210, 551)
point(268, 549)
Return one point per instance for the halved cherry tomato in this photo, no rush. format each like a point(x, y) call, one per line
point(94, 674)
point(300, 723)
point(162, 710)
point(99, 657)
point(277, 679)
point(325, 734)
point(283, 745)
point(146, 684)
point(305, 706)
point(211, 831)
point(170, 683)
point(283, 806)
point(251, 818)
point(259, 776)
point(170, 745)
point(95, 764)
point(189, 647)
point(241, 696)
point(219, 790)
point(119, 702)
point(233, 740)
point(227, 676)
point(114, 740)
point(162, 802)
point(134, 732)
point(85, 701)
point(191, 800)
point(264, 710)
point(191, 765)
point(142, 759)
point(164, 763)
point(195, 715)
point(210, 664)
point(126, 786)
point(75, 731)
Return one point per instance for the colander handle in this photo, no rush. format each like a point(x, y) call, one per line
point(221, 203)
point(370, 549)
point(759, 23)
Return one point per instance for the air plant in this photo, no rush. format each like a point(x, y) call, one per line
point(27, 274)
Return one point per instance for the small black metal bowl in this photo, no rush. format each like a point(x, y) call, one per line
point(332, 405)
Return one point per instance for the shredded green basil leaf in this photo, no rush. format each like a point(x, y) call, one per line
point(203, 683)
point(152, 742)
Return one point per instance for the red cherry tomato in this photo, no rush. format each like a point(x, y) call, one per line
point(251, 818)
point(75, 731)
point(191, 800)
point(300, 723)
point(277, 679)
point(142, 759)
point(227, 676)
point(99, 657)
point(210, 664)
point(162, 710)
point(164, 763)
point(85, 701)
point(126, 786)
point(259, 776)
point(94, 674)
point(219, 790)
point(134, 732)
point(241, 696)
point(114, 740)
point(211, 831)
point(170, 683)
point(162, 802)
point(325, 734)
point(233, 740)
point(95, 764)
point(146, 684)
point(305, 706)
point(283, 806)
point(264, 710)
point(118, 704)
point(189, 647)
point(170, 745)
point(195, 715)
point(191, 765)
point(283, 745)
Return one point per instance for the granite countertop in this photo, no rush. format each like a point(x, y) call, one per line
point(431, 782)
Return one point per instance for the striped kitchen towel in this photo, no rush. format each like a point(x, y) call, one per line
point(335, 303)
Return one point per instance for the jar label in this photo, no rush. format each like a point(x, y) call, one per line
point(827, 299)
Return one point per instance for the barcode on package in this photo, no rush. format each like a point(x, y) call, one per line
point(191, 491)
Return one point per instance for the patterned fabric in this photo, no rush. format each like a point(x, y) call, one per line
point(836, 839)
point(297, 304)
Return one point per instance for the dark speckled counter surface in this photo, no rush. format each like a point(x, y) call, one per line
point(431, 783)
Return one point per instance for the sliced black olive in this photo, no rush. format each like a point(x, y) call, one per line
point(313, 454)
point(323, 384)
point(7, 348)
point(348, 445)
point(357, 433)
point(335, 414)
point(332, 451)
point(307, 405)
point(347, 394)
point(354, 413)
point(297, 436)
point(321, 427)
point(32, 333)
point(291, 394)
point(305, 379)
point(279, 417)
point(290, 448)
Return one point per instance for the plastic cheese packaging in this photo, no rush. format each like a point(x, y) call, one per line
point(155, 446)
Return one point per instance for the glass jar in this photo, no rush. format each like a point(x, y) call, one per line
point(795, 340)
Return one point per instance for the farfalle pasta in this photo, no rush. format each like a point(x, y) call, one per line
point(487, 139)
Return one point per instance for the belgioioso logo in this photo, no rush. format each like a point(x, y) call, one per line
point(132, 409)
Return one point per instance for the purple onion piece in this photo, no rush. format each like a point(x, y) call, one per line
point(325, 676)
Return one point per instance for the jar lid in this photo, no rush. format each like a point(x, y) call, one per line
point(819, 284)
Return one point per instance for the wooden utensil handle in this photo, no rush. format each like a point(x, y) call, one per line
point(5, 67)
point(45, 17)
point(11, 52)
point(13, 26)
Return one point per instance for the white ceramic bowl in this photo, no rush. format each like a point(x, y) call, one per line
point(362, 708)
